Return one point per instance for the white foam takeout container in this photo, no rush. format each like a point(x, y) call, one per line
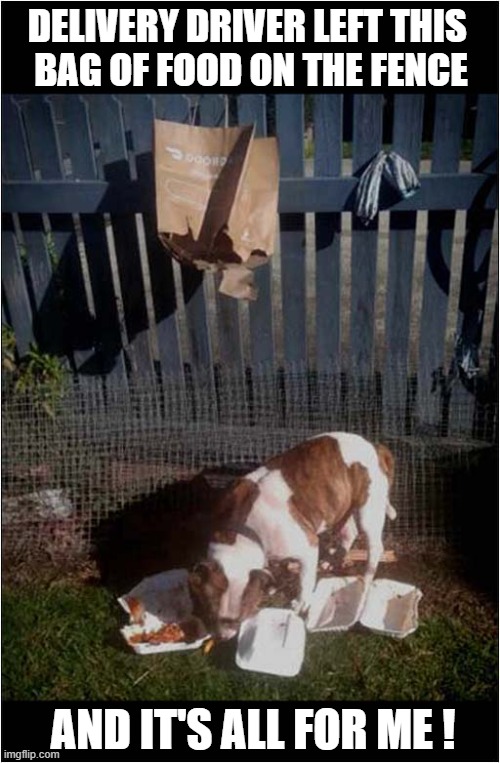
point(391, 607)
point(335, 603)
point(273, 641)
point(165, 598)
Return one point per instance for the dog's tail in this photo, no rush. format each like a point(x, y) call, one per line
point(390, 511)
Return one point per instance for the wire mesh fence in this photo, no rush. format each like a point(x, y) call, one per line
point(105, 445)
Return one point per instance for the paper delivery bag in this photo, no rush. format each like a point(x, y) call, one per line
point(216, 199)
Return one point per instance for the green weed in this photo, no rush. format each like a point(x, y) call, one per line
point(62, 642)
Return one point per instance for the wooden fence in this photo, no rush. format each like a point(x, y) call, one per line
point(84, 275)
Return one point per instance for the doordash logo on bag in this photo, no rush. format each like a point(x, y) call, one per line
point(204, 159)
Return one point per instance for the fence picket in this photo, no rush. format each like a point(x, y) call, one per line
point(328, 162)
point(34, 243)
point(78, 303)
point(406, 141)
point(364, 414)
point(14, 288)
point(290, 131)
point(367, 141)
point(15, 165)
point(328, 153)
point(138, 115)
point(252, 109)
point(231, 387)
point(491, 426)
point(15, 156)
point(64, 302)
point(103, 320)
point(475, 268)
point(113, 164)
point(212, 110)
point(447, 137)
point(177, 109)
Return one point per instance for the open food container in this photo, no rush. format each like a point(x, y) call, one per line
point(161, 615)
point(391, 607)
point(335, 604)
point(273, 641)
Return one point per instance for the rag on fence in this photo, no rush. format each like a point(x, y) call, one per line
point(217, 199)
point(398, 174)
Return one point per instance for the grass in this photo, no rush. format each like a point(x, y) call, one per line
point(61, 642)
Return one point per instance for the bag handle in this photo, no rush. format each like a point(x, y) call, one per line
point(195, 109)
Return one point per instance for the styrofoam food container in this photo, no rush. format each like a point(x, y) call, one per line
point(273, 641)
point(391, 608)
point(335, 603)
point(166, 599)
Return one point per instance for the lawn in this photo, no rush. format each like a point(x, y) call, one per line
point(61, 641)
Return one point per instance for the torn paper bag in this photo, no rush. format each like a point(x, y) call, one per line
point(217, 199)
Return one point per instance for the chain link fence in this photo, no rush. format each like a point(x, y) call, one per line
point(104, 446)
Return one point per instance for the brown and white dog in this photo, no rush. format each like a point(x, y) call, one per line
point(334, 480)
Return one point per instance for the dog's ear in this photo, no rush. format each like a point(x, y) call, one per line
point(207, 582)
point(386, 461)
point(259, 582)
point(208, 572)
point(198, 576)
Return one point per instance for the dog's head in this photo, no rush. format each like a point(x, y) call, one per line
point(222, 602)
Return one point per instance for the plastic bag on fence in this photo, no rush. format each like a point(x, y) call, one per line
point(217, 199)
